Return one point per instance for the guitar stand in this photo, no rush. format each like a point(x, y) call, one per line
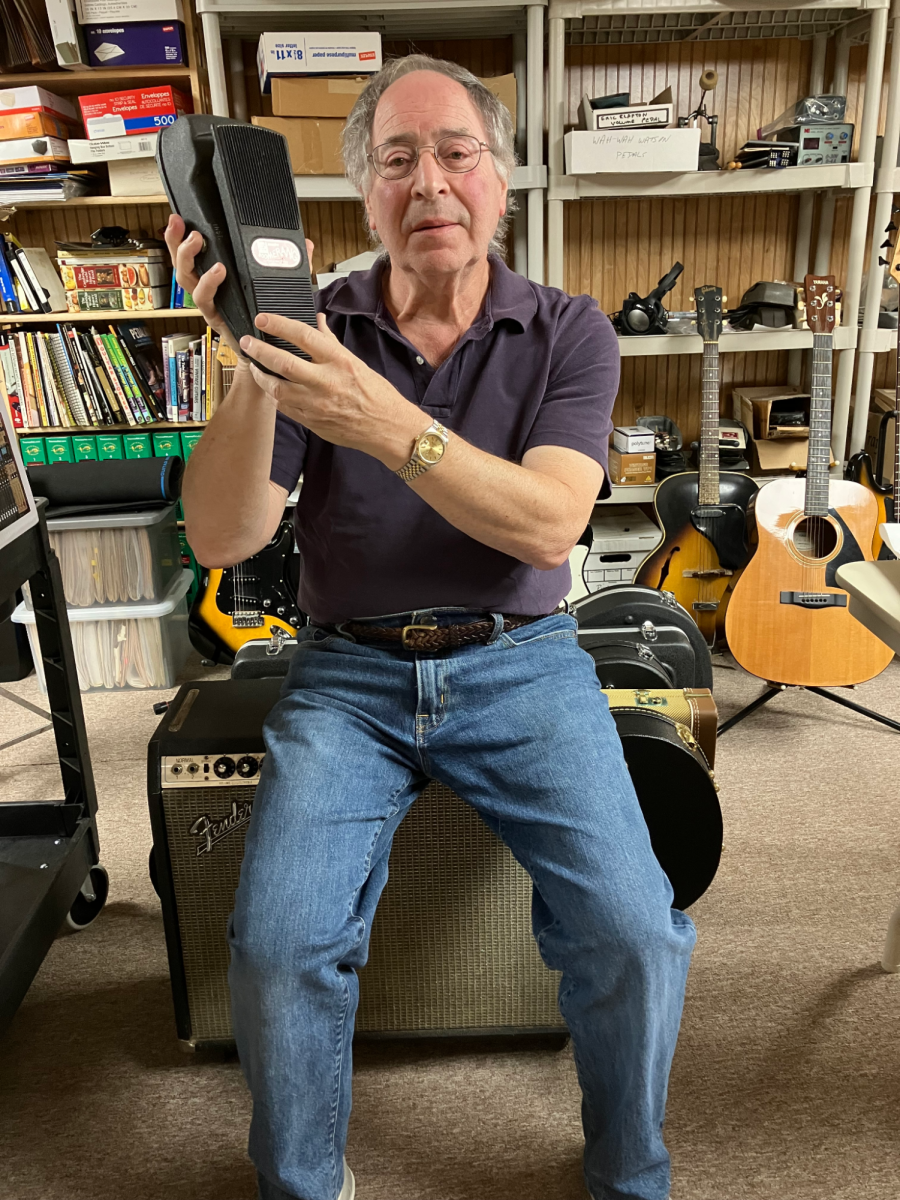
point(775, 689)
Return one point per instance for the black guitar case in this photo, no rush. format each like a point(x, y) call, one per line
point(630, 605)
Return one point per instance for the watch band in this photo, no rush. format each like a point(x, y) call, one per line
point(418, 466)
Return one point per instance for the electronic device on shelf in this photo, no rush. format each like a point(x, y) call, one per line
point(233, 183)
point(668, 441)
point(817, 144)
point(646, 315)
point(709, 154)
point(769, 302)
point(787, 621)
point(703, 513)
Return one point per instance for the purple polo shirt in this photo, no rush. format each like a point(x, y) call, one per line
point(536, 368)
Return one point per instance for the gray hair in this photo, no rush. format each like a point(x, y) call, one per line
point(357, 136)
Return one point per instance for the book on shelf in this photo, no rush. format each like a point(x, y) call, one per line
point(28, 281)
point(27, 40)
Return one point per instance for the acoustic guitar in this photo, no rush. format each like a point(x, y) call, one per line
point(787, 621)
point(860, 468)
point(248, 601)
point(703, 513)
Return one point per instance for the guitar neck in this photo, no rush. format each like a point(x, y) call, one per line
point(819, 457)
point(897, 431)
point(709, 426)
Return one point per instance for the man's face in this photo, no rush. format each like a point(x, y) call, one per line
point(433, 221)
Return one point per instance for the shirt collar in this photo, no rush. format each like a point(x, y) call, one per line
point(510, 296)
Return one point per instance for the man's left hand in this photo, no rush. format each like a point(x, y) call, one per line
point(336, 396)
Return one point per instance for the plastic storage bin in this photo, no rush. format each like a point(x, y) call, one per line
point(119, 558)
point(623, 537)
point(124, 646)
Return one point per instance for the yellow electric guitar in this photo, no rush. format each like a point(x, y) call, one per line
point(788, 622)
point(248, 601)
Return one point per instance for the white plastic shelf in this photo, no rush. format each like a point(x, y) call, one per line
point(637, 493)
point(710, 183)
point(888, 180)
point(732, 342)
point(877, 341)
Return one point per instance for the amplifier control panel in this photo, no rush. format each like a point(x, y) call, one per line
point(211, 770)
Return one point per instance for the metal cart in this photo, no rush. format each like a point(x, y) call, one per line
point(50, 872)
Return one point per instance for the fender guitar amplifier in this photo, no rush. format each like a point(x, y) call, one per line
point(452, 950)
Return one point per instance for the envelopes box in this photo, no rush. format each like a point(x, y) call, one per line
point(135, 177)
point(314, 143)
point(136, 44)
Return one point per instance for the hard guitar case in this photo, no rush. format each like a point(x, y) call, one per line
point(620, 613)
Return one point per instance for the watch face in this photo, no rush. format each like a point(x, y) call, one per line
point(431, 448)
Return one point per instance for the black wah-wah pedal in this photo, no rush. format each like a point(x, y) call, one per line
point(233, 183)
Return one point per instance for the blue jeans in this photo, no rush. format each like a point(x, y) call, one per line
point(520, 730)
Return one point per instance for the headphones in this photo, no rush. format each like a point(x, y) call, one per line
point(647, 315)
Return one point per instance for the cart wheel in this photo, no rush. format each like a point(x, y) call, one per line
point(151, 866)
point(90, 899)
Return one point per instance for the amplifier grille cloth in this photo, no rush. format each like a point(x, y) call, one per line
point(451, 946)
point(259, 173)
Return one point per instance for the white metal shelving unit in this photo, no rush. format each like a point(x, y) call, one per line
point(227, 21)
point(598, 22)
point(873, 340)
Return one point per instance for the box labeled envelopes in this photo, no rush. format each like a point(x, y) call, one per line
point(136, 44)
point(140, 110)
point(34, 150)
point(112, 149)
point(32, 125)
point(36, 99)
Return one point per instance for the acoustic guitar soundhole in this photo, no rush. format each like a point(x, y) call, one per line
point(815, 537)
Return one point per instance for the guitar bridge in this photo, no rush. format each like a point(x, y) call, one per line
point(705, 605)
point(247, 620)
point(712, 573)
point(815, 599)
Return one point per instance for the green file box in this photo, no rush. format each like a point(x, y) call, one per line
point(59, 449)
point(189, 440)
point(109, 445)
point(137, 445)
point(33, 450)
point(84, 448)
point(167, 445)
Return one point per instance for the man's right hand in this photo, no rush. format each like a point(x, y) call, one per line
point(202, 288)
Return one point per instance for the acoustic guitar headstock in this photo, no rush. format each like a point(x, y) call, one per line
point(893, 262)
point(820, 298)
point(709, 301)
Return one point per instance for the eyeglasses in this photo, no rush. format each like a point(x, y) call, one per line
point(457, 154)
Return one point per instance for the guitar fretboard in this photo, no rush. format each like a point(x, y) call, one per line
point(819, 458)
point(709, 426)
point(897, 433)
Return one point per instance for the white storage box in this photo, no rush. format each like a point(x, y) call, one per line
point(634, 439)
point(623, 537)
point(663, 151)
point(142, 646)
point(116, 559)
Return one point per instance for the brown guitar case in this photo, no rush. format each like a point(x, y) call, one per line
point(695, 708)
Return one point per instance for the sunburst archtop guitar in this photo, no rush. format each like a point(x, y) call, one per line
point(787, 621)
point(703, 513)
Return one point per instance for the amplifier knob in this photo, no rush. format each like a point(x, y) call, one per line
point(247, 766)
point(224, 767)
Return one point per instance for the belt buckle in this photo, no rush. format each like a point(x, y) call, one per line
point(407, 629)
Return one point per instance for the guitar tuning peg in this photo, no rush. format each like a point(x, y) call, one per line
point(891, 227)
point(885, 245)
point(883, 262)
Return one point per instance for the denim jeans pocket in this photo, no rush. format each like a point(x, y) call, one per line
point(553, 628)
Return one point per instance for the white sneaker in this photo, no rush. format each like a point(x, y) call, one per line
point(348, 1191)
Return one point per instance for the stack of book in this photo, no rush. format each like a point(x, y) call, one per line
point(75, 377)
point(193, 368)
point(35, 126)
point(133, 277)
point(28, 281)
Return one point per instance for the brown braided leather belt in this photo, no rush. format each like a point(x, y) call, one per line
point(435, 637)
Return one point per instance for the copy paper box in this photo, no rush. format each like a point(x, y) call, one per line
point(91, 11)
point(84, 448)
point(34, 150)
point(109, 445)
point(36, 99)
point(59, 449)
point(648, 151)
point(316, 96)
point(141, 110)
point(316, 54)
point(135, 177)
point(33, 450)
point(136, 44)
point(32, 125)
point(314, 143)
point(137, 445)
point(112, 149)
point(631, 469)
point(634, 439)
point(167, 445)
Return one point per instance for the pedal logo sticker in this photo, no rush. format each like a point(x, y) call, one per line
point(210, 832)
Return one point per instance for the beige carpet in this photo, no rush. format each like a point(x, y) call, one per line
point(786, 1084)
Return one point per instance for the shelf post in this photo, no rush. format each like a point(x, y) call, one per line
point(803, 242)
point(839, 78)
point(556, 116)
point(215, 64)
point(520, 220)
point(534, 134)
point(858, 228)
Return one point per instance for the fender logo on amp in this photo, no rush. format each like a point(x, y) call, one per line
point(209, 832)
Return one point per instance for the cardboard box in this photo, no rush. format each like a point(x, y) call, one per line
point(117, 299)
point(314, 143)
point(631, 469)
point(112, 149)
point(752, 407)
point(68, 40)
point(316, 54)
point(504, 88)
point(94, 11)
point(135, 177)
point(662, 151)
point(32, 125)
point(778, 457)
point(109, 445)
point(632, 116)
point(634, 439)
point(137, 445)
point(59, 449)
point(84, 448)
point(34, 150)
point(141, 110)
point(136, 44)
point(33, 450)
point(316, 96)
point(37, 99)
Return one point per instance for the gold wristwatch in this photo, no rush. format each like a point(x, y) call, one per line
point(428, 450)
